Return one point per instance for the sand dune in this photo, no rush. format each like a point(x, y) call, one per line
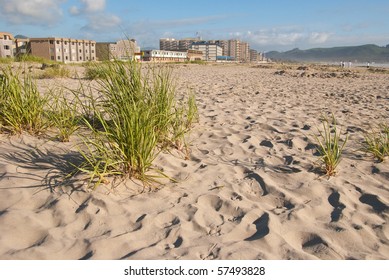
point(250, 189)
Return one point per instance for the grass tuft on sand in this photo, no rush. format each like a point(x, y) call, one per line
point(330, 145)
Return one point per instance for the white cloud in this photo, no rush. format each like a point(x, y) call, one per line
point(289, 37)
point(40, 12)
point(92, 6)
point(88, 6)
point(102, 23)
point(318, 38)
point(74, 10)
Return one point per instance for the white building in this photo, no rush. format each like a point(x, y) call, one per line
point(164, 56)
point(6, 44)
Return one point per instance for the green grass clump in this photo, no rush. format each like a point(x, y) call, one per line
point(31, 58)
point(64, 116)
point(54, 71)
point(136, 112)
point(95, 70)
point(330, 146)
point(6, 60)
point(22, 108)
point(377, 142)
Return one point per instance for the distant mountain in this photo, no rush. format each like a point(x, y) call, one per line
point(363, 53)
point(21, 37)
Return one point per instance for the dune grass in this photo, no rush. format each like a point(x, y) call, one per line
point(54, 71)
point(136, 112)
point(330, 145)
point(64, 115)
point(22, 108)
point(377, 142)
point(6, 60)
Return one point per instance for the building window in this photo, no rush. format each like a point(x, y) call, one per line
point(51, 42)
point(80, 51)
point(6, 47)
point(57, 42)
point(58, 57)
point(80, 58)
point(66, 58)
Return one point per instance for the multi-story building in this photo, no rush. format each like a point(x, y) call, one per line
point(224, 45)
point(194, 55)
point(210, 51)
point(253, 55)
point(186, 44)
point(22, 46)
point(168, 44)
point(171, 44)
point(121, 50)
point(244, 52)
point(6, 44)
point(234, 49)
point(63, 49)
point(164, 56)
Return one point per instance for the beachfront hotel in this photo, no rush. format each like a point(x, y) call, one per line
point(6, 45)
point(164, 56)
point(63, 49)
point(120, 50)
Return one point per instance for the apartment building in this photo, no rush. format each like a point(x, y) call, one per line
point(6, 44)
point(194, 55)
point(210, 51)
point(168, 44)
point(234, 49)
point(171, 44)
point(244, 52)
point(63, 49)
point(121, 50)
point(224, 45)
point(186, 44)
point(164, 56)
point(254, 57)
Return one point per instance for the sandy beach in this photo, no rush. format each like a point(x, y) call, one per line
point(249, 190)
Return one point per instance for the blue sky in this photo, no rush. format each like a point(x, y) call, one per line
point(266, 25)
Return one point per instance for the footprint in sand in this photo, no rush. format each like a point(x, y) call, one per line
point(374, 202)
point(262, 227)
point(333, 199)
point(315, 245)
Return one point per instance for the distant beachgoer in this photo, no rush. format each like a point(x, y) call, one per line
point(368, 64)
point(349, 64)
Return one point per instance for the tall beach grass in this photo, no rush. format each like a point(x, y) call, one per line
point(22, 108)
point(137, 112)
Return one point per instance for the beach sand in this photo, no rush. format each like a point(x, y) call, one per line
point(249, 190)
